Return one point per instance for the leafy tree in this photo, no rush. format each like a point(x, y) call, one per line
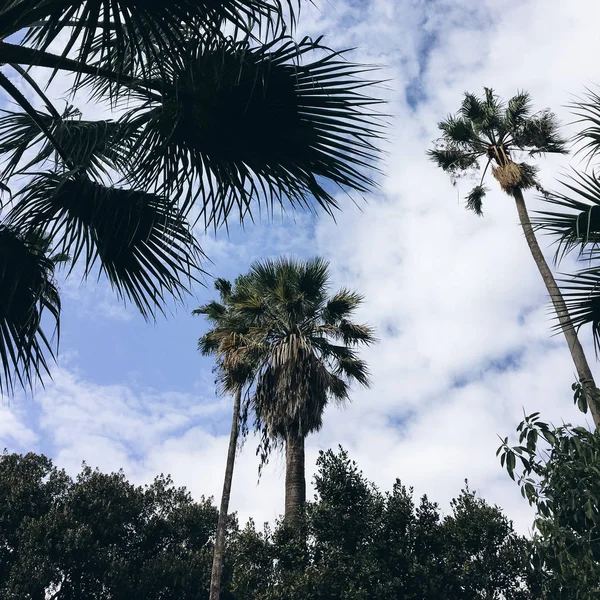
point(211, 125)
point(485, 129)
point(223, 341)
point(364, 544)
point(560, 476)
point(99, 537)
point(303, 345)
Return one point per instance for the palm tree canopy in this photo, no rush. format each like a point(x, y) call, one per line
point(211, 126)
point(302, 341)
point(487, 130)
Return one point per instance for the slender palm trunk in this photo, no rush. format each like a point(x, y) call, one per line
point(295, 483)
point(217, 565)
point(581, 364)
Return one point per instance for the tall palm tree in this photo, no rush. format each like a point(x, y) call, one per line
point(211, 126)
point(304, 355)
point(487, 130)
point(223, 341)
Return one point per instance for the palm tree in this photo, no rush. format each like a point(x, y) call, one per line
point(485, 129)
point(211, 126)
point(223, 341)
point(303, 348)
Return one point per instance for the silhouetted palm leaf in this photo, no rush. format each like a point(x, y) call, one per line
point(141, 241)
point(578, 226)
point(28, 298)
point(92, 146)
point(115, 30)
point(253, 125)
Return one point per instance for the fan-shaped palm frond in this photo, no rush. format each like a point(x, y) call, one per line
point(582, 298)
point(256, 125)
point(578, 224)
point(92, 146)
point(115, 30)
point(29, 303)
point(141, 241)
point(587, 110)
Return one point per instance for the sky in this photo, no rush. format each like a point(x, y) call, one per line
point(461, 312)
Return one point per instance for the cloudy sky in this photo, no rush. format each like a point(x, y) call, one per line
point(459, 306)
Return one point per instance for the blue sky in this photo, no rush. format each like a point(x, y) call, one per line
point(459, 307)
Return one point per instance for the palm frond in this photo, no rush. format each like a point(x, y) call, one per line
point(539, 135)
point(353, 334)
point(588, 111)
point(458, 130)
point(472, 108)
point(353, 369)
point(113, 31)
point(28, 295)
point(214, 311)
point(577, 224)
point(517, 110)
point(92, 146)
point(484, 114)
point(244, 126)
point(141, 242)
point(582, 298)
point(341, 305)
point(475, 199)
point(453, 160)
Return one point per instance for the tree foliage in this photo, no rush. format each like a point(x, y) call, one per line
point(98, 537)
point(558, 472)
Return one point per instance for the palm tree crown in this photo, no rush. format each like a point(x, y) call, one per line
point(485, 130)
point(303, 343)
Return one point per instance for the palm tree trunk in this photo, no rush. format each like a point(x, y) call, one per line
point(217, 565)
point(583, 369)
point(295, 483)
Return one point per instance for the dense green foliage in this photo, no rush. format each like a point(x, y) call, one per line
point(560, 475)
point(100, 537)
